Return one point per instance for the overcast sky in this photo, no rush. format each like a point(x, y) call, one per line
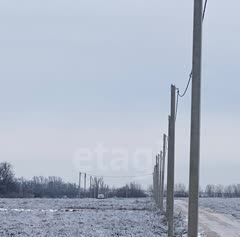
point(80, 75)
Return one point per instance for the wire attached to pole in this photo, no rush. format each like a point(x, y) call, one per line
point(190, 75)
point(204, 10)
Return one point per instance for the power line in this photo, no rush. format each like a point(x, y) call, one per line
point(204, 10)
point(115, 176)
point(186, 89)
point(190, 75)
point(177, 105)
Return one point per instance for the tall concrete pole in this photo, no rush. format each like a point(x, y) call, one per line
point(163, 171)
point(126, 191)
point(79, 185)
point(155, 183)
point(195, 121)
point(171, 155)
point(94, 189)
point(85, 184)
point(168, 170)
point(157, 178)
point(90, 187)
point(160, 179)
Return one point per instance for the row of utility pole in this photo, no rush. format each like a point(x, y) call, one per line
point(85, 185)
point(158, 173)
point(158, 176)
point(95, 186)
point(159, 168)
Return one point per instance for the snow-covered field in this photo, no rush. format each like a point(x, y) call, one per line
point(230, 206)
point(85, 217)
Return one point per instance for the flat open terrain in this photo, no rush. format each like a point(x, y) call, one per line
point(112, 217)
point(85, 217)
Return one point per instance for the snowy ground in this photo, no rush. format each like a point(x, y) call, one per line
point(230, 206)
point(85, 217)
point(217, 217)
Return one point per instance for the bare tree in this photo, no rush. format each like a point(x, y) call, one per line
point(7, 183)
point(97, 185)
point(180, 190)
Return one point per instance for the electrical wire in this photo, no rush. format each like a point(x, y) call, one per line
point(186, 88)
point(204, 10)
point(177, 105)
point(114, 176)
point(190, 75)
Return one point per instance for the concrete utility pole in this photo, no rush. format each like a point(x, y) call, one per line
point(160, 179)
point(157, 179)
point(85, 184)
point(154, 183)
point(126, 191)
point(168, 169)
point(195, 121)
point(90, 188)
point(79, 186)
point(171, 155)
point(163, 171)
point(94, 190)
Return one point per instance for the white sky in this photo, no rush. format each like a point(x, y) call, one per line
point(78, 74)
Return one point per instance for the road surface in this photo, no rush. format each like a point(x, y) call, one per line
point(213, 224)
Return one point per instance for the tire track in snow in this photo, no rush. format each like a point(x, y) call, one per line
point(213, 224)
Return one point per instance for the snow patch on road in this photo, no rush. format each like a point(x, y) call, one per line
point(213, 224)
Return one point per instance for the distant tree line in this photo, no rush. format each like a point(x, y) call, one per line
point(55, 187)
point(230, 191)
point(52, 187)
point(180, 190)
point(211, 190)
point(128, 191)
